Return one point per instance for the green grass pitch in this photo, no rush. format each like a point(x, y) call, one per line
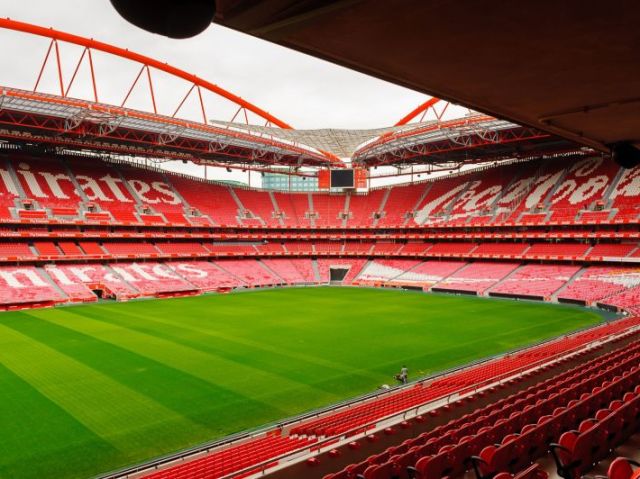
point(88, 389)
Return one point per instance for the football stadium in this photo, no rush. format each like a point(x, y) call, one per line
point(454, 294)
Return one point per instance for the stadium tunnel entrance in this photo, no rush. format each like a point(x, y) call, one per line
point(337, 274)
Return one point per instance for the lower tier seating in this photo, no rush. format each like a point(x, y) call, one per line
point(538, 281)
point(288, 270)
point(24, 285)
point(589, 409)
point(152, 278)
point(251, 272)
point(243, 455)
point(477, 277)
point(597, 283)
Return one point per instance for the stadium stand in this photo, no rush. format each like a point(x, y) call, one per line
point(153, 279)
point(430, 272)
point(187, 248)
point(131, 249)
point(289, 271)
point(577, 223)
point(452, 249)
point(205, 275)
point(362, 208)
point(250, 272)
point(400, 204)
point(383, 247)
point(353, 268)
point(328, 208)
point(476, 277)
point(80, 222)
point(128, 200)
point(381, 271)
point(570, 250)
point(24, 286)
point(512, 408)
point(295, 208)
point(535, 281)
point(257, 204)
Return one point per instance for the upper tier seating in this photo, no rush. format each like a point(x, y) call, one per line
point(188, 248)
point(46, 248)
point(363, 207)
point(295, 207)
point(152, 190)
point(434, 207)
point(625, 195)
point(328, 246)
point(15, 250)
point(104, 186)
point(480, 197)
point(212, 200)
point(594, 216)
point(298, 247)
point(230, 248)
point(400, 202)
point(611, 250)
point(130, 248)
point(574, 250)
point(452, 249)
point(415, 248)
point(259, 204)
point(531, 192)
point(46, 181)
point(328, 208)
point(501, 249)
point(91, 248)
point(270, 248)
point(535, 280)
point(8, 191)
point(382, 247)
point(584, 183)
point(362, 248)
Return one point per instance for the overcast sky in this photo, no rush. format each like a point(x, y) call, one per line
point(301, 90)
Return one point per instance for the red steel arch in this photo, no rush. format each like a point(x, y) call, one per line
point(91, 44)
point(430, 103)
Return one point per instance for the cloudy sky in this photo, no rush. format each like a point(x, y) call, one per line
point(301, 90)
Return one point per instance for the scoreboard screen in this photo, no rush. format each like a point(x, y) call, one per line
point(342, 179)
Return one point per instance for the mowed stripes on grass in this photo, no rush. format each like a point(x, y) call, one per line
point(88, 389)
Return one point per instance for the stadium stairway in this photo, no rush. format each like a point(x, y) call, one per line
point(577, 274)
